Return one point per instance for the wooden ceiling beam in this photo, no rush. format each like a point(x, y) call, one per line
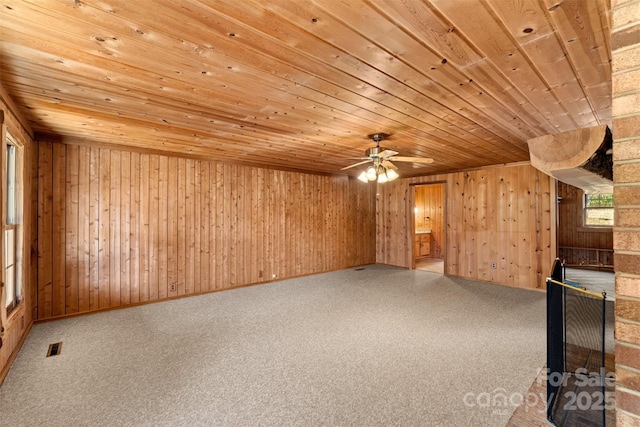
point(565, 157)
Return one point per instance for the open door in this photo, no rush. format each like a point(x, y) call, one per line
point(428, 227)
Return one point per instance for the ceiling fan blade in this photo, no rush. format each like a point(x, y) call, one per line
point(387, 153)
point(387, 164)
point(412, 159)
point(356, 164)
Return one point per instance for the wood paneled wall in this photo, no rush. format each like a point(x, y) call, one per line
point(572, 234)
point(20, 320)
point(429, 213)
point(502, 215)
point(120, 228)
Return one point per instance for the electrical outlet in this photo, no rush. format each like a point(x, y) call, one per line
point(494, 265)
point(172, 287)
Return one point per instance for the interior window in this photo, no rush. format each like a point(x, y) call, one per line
point(598, 210)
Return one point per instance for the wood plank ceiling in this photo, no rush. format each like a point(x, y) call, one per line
point(301, 83)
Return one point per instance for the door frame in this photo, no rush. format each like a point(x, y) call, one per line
point(411, 226)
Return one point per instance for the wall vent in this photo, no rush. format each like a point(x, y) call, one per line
point(54, 349)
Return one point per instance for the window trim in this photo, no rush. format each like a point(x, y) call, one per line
point(15, 224)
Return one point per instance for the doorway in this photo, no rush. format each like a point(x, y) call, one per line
point(428, 226)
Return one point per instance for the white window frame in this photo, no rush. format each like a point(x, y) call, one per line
point(12, 238)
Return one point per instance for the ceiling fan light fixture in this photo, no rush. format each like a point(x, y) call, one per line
point(372, 174)
point(379, 173)
point(382, 170)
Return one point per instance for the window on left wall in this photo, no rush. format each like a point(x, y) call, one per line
point(12, 223)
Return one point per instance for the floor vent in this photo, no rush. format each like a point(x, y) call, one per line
point(359, 269)
point(54, 349)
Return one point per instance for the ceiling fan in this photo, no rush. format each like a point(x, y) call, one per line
point(382, 170)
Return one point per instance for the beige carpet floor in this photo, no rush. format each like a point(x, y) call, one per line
point(360, 347)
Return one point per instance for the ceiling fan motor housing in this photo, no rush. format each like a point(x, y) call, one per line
point(375, 151)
